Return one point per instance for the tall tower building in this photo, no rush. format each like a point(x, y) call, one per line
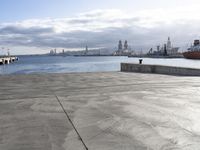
point(165, 49)
point(169, 44)
point(120, 45)
point(125, 45)
point(86, 50)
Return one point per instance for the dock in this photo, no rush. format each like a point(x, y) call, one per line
point(99, 111)
point(7, 59)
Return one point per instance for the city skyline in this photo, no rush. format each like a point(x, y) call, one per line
point(38, 26)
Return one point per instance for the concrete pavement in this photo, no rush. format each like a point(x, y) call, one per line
point(110, 111)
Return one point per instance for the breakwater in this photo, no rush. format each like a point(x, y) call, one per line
point(159, 69)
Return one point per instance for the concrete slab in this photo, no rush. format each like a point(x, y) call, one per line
point(111, 111)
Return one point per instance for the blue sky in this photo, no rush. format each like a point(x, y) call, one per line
point(26, 9)
point(12, 10)
point(36, 26)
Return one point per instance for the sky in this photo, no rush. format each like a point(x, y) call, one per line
point(37, 26)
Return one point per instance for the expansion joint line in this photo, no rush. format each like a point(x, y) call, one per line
point(71, 122)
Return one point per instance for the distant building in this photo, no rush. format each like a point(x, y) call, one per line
point(126, 45)
point(86, 50)
point(168, 49)
point(52, 52)
point(169, 43)
point(123, 49)
point(120, 46)
point(165, 50)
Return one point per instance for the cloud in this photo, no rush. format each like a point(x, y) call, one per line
point(103, 28)
point(25, 31)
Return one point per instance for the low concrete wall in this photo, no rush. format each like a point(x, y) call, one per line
point(128, 67)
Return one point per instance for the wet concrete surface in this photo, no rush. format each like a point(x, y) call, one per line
point(111, 111)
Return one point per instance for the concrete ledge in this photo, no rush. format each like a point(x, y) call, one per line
point(169, 70)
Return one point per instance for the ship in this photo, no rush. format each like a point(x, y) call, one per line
point(194, 51)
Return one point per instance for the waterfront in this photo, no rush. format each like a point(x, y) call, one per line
point(59, 64)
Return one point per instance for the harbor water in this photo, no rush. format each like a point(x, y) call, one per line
point(59, 64)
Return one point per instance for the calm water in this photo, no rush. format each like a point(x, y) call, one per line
point(58, 64)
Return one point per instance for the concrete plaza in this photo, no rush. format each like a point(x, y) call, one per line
point(109, 111)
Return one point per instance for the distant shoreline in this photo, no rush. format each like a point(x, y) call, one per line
point(167, 57)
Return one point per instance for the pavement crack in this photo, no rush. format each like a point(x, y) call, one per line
point(80, 138)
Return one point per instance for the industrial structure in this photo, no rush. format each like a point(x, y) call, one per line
point(166, 50)
point(8, 59)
